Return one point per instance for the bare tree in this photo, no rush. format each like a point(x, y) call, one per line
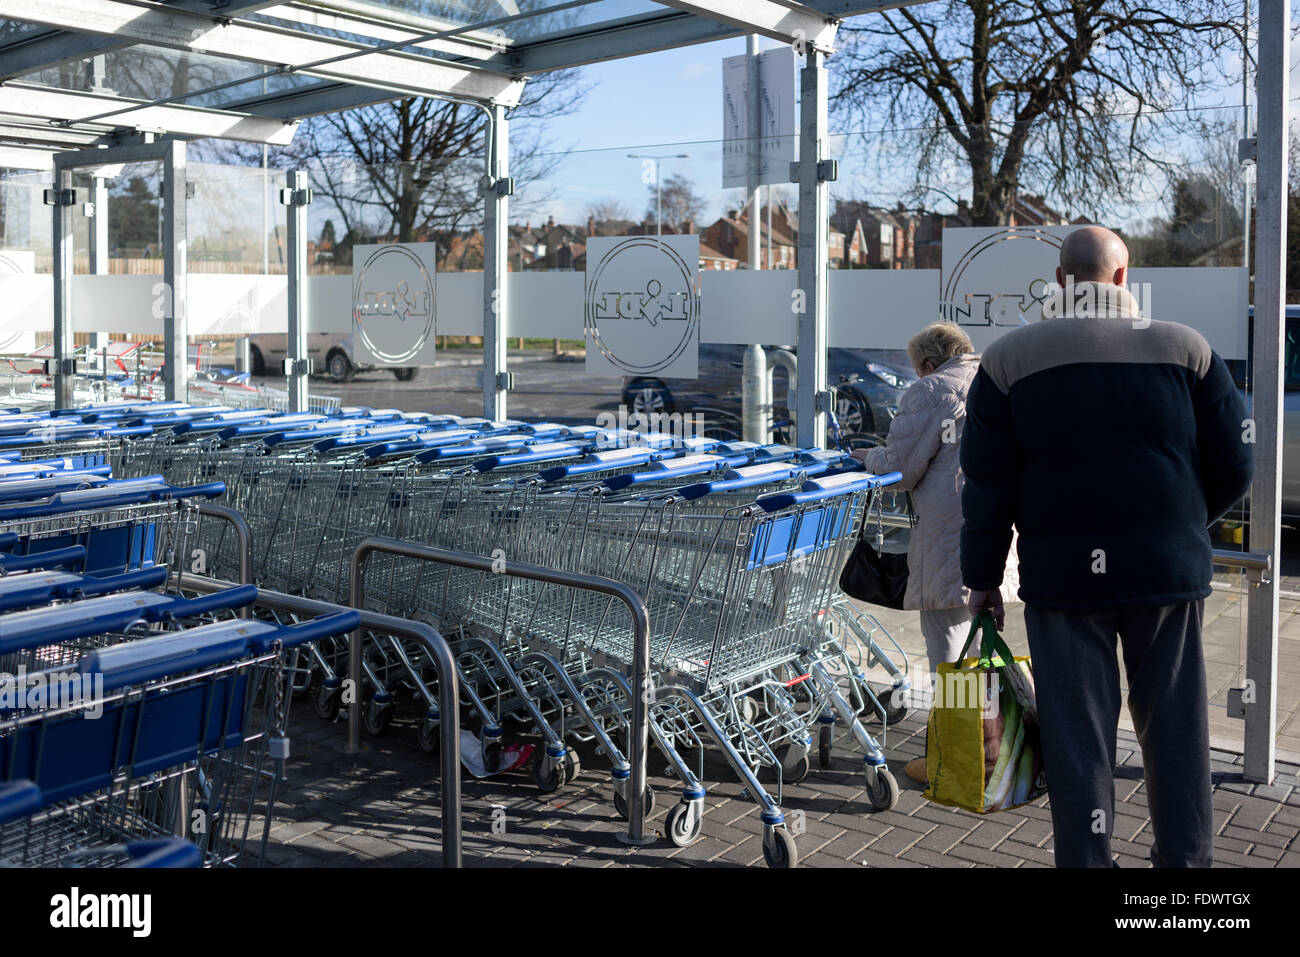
point(1061, 93)
point(677, 198)
point(608, 211)
point(411, 169)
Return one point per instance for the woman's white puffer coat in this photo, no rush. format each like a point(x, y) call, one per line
point(924, 440)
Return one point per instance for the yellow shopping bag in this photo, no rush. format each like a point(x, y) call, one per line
point(982, 749)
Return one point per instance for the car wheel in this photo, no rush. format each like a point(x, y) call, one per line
point(256, 363)
point(648, 397)
point(339, 366)
point(853, 412)
point(405, 375)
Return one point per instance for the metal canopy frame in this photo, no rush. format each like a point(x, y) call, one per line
point(409, 56)
point(171, 154)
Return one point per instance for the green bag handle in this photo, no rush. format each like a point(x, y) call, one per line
point(991, 642)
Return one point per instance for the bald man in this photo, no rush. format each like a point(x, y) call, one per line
point(1110, 441)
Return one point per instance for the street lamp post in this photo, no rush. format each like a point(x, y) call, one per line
point(659, 219)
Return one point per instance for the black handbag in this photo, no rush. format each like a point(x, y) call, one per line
point(873, 576)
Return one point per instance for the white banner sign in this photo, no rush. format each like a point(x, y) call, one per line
point(641, 307)
point(394, 303)
point(776, 100)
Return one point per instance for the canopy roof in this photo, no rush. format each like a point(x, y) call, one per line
point(250, 69)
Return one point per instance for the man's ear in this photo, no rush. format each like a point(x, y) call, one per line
point(1060, 277)
point(1121, 276)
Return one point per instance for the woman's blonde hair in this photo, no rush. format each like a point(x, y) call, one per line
point(937, 343)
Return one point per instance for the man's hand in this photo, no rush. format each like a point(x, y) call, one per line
point(987, 601)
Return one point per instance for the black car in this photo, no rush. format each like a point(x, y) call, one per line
point(868, 383)
point(1243, 375)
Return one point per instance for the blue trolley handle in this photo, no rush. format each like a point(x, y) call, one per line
point(89, 586)
point(18, 799)
point(54, 558)
point(226, 600)
point(823, 488)
point(292, 635)
point(207, 490)
point(61, 502)
point(167, 852)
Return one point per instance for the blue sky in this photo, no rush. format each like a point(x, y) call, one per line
point(673, 97)
point(672, 102)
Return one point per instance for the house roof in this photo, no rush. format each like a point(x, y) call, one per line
point(708, 252)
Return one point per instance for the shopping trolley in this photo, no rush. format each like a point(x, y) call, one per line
point(184, 736)
point(121, 525)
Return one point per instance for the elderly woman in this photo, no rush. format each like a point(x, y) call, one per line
point(923, 443)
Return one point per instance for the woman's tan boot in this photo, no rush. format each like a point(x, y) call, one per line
point(915, 769)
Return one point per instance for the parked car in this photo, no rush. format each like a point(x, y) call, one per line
point(331, 355)
point(868, 382)
point(1243, 374)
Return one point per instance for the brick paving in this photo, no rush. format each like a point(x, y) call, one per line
point(381, 808)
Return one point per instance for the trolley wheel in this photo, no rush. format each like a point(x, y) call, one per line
point(492, 755)
point(680, 829)
point(748, 710)
point(548, 781)
point(378, 717)
point(780, 852)
point(326, 703)
point(429, 737)
point(882, 789)
point(824, 745)
point(647, 807)
point(793, 775)
point(893, 713)
point(572, 765)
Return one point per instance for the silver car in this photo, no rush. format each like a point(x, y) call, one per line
point(331, 354)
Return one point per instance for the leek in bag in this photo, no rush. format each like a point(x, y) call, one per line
point(982, 748)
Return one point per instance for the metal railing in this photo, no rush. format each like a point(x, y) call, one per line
point(243, 534)
point(448, 688)
point(641, 684)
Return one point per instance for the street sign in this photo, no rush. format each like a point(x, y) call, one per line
point(776, 102)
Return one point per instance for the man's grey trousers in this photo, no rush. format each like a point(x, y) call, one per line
point(1076, 674)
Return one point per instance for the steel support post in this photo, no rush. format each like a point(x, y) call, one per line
point(296, 197)
point(497, 188)
point(175, 272)
point(1269, 347)
point(810, 299)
